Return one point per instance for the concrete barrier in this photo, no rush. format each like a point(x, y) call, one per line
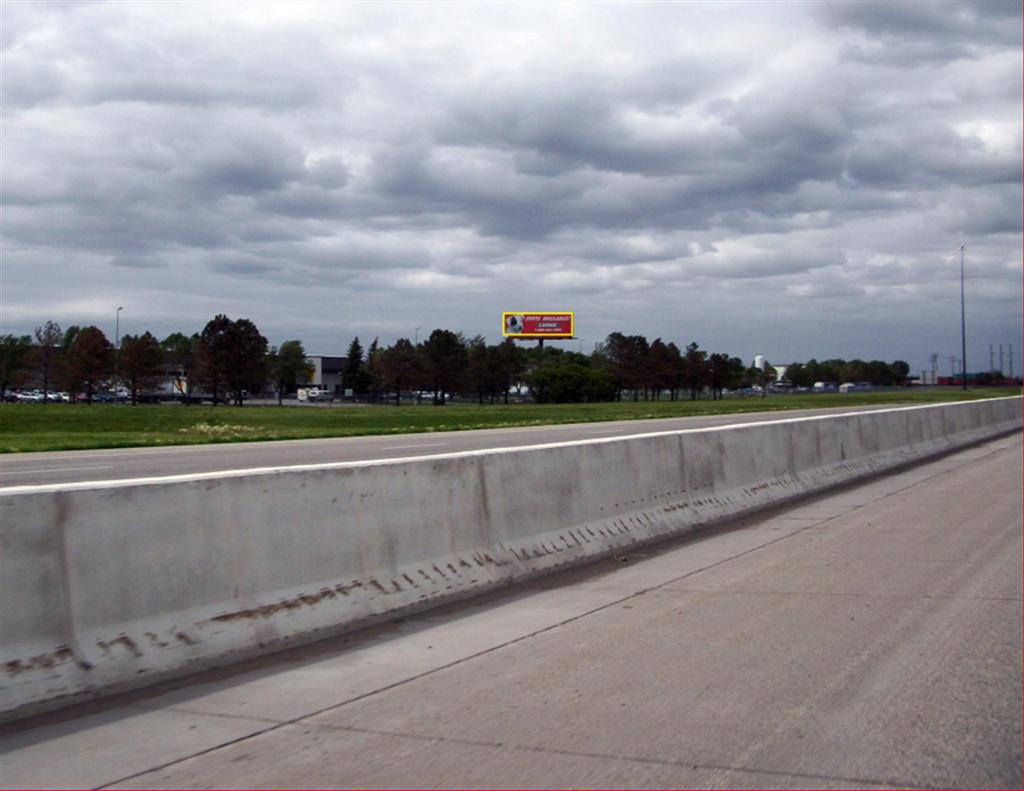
point(106, 586)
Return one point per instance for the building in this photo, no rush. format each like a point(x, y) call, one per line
point(327, 372)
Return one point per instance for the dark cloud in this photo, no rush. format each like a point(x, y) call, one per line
point(740, 176)
point(932, 29)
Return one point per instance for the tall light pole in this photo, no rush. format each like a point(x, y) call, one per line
point(117, 345)
point(963, 324)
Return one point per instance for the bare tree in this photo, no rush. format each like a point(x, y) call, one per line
point(48, 341)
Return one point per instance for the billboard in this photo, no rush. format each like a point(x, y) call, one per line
point(537, 325)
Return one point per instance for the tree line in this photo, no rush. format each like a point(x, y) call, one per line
point(226, 360)
point(230, 358)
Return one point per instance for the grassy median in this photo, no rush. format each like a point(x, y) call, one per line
point(42, 427)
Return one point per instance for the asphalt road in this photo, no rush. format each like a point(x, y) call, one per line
point(869, 638)
point(28, 469)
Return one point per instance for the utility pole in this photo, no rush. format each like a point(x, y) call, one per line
point(991, 358)
point(963, 322)
point(1011, 361)
point(1000, 358)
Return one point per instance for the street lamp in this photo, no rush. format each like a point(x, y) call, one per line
point(963, 324)
point(117, 345)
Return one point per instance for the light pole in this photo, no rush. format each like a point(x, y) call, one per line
point(417, 341)
point(117, 345)
point(963, 324)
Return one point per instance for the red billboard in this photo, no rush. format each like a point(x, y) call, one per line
point(537, 325)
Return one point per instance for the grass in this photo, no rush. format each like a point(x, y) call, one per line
point(45, 427)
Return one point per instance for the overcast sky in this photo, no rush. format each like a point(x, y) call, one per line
point(786, 179)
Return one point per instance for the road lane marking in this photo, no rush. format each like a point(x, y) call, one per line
point(14, 491)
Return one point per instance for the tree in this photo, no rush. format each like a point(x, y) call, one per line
point(15, 354)
point(718, 370)
point(901, 372)
point(880, 374)
point(356, 373)
point(799, 375)
point(69, 338)
point(180, 352)
point(695, 370)
point(663, 368)
point(395, 367)
point(479, 376)
point(231, 356)
point(246, 360)
point(507, 365)
point(444, 356)
point(141, 363)
point(373, 357)
point(627, 356)
point(764, 377)
point(353, 362)
point(211, 352)
point(89, 361)
point(570, 378)
point(48, 340)
point(287, 365)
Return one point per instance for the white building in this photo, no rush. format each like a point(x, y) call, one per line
point(327, 372)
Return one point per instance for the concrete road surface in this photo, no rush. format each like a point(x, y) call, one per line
point(868, 638)
point(27, 469)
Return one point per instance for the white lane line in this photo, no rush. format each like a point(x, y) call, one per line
point(406, 447)
point(14, 491)
point(59, 469)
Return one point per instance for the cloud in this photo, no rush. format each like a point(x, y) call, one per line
point(689, 172)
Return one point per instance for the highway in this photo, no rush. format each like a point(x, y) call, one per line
point(28, 469)
point(867, 638)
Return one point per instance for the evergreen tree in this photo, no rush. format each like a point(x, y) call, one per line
point(350, 376)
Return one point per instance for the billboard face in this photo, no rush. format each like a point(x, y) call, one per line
point(537, 325)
